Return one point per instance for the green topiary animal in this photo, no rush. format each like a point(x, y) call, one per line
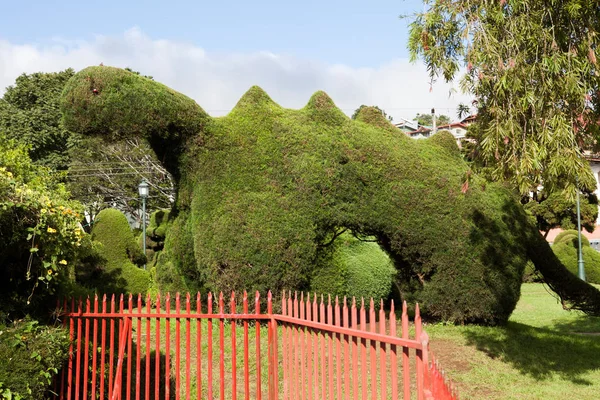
point(264, 191)
point(121, 272)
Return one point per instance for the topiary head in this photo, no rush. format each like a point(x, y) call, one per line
point(117, 104)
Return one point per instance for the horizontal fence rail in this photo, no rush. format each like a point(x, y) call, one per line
point(190, 347)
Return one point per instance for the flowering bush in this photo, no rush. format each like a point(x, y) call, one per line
point(39, 231)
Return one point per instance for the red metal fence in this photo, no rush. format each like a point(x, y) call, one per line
point(156, 349)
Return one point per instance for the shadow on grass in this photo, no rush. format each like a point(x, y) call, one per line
point(581, 324)
point(538, 352)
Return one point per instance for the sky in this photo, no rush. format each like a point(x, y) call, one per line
point(213, 52)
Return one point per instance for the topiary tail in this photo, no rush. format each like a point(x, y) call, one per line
point(574, 293)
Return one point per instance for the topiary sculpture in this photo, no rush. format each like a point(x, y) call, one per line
point(122, 272)
point(264, 191)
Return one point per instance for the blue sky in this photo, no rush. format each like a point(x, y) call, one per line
point(213, 51)
point(357, 33)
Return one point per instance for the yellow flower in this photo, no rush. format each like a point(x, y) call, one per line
point(43, 211)
point(49, 272)
point(63, 262)
point(51, 230)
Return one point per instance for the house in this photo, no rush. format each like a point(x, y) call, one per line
point(407, 126)
point(421, 133)
point(459, 129)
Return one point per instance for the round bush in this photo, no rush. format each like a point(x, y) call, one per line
point(120, 250)
point(571, 236)
point(354, 268)
point(567, 253)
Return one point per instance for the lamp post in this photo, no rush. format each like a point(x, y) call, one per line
point(143, 189)
point(580, 264)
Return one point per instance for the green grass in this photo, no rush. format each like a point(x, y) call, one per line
point(544, 352)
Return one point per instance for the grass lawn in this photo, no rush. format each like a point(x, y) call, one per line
point(544, 352)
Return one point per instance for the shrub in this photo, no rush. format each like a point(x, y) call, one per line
point(121, 252)
point(30, 356)
point(567, 252)
point(357, 268)
point(571, 237)
point(446, 140)
point(39, 233)
point(155, 235)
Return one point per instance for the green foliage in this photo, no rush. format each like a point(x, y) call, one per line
point(155, 235)
point(30, 356)
point(534, 75)
point(566, 251)
point(558, 211)
point(369, 270)
point(427, 119)
point(373, 116)
point(122, 253)
point(446, 140)
point(263, 190)
point(39, 232)
point(353, 268)
point(571, 237)
point(30, 115)
point(382, 112)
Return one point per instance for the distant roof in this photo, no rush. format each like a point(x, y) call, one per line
point(469, 119)
point(453, 125)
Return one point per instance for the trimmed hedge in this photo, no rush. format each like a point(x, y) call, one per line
point(122, 272)
point(357, 268)
point(30, 357)
point(571, 237)
point(262, 191)
point(155, 236)
point(566, 250)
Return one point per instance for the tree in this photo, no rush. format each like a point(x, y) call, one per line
point(557, 211)
point(39, 231)
point(427, 119)
point(534, 73)
point(107, 174)
point(30, 114)
point(462, 110)
point(357, 111)
point(99, 174)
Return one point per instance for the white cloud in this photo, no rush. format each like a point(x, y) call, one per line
point(216, 81)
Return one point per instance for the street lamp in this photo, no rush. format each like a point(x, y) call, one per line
point(143, 189)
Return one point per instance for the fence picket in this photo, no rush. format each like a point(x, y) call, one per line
point(210, 347)
point(382, 353)
point(258, 359)
point(138, 362)
point(338, 346)
point(148, 310)
point(168, 347)
point(393, 353)
point(233, 351)
point(86, 346)
point(188, 358)
point(157, 353)
point(177, 347)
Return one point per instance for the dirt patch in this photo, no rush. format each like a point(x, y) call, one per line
point(450, 355)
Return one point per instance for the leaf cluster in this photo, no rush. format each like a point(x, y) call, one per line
point(533, 71)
